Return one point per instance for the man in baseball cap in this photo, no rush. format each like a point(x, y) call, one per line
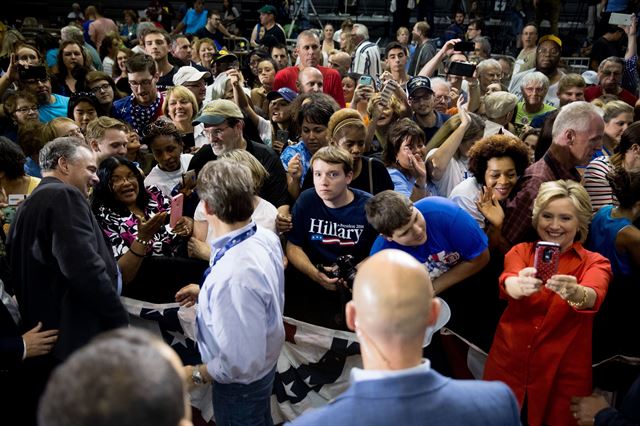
point(268, 32)
point(422, 103)
point(223, 125)
point(194, 80)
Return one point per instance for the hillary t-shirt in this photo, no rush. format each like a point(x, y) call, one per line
point(325, 233)
point(452, 237)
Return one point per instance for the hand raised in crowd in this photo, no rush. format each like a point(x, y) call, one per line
point(234, 76)
point(12, 71)
point(584, 409)
point(187, 296)
point(184, 227)
point(362, 93)
point(490, 207)
point(39, 342)
point(294, 168)
point(566, 286)
point(463, 111)
point(148, 228)
point(448, 47)
point(321, 278)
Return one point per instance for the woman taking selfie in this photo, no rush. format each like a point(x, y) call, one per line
point(543, 345)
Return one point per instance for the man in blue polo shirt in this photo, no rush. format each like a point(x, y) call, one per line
point(435, 231)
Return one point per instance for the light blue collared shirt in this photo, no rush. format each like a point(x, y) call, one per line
point(239, 320)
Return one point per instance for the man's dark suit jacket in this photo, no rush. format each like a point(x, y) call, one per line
point(63, 272)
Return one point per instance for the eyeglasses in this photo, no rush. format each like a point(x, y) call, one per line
point(140, 83)
point(494, 75)
point(25, 110)
point(548, 52)
point(210, 131)
point(120, 180)
point(444, 98)
point(101, 88)
point(609, 72)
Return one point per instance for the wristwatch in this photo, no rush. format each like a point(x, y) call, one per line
point(196, 376)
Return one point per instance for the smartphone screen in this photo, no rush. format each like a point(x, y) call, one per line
point(546, 259)
point(176, 209)
point(464, 46)
point(365, 80)
point(464, 69)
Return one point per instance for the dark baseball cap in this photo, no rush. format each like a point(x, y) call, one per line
point(417, 83)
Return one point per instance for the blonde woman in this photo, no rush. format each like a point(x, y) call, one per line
point(181, 106)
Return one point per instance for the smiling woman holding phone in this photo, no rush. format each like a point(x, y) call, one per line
point(542, 347)
point(153, 258)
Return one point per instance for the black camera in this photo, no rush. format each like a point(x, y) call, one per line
point(346, 269)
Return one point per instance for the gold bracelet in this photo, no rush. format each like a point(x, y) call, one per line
point(582, 302)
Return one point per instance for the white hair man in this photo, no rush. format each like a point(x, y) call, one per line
point(366, 58)
point(577, 134)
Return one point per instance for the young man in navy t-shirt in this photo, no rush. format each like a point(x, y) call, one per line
point(328, 221)
point(435, 231)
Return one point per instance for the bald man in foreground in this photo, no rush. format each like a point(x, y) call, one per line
point(391, 309)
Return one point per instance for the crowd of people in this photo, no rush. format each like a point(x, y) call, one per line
point(337, 183)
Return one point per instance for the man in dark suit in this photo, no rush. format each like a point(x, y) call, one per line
point(391, 309)
point(63, 272)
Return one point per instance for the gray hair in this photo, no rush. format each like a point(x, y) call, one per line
point(576, 116)
point(306, 34)
point(361, 30)
point(487, 63)
point(535, 77)
point(440, 81)
point(226, 187)
point(614, 59)
point(63, 147)
point(485, 46)
point(142, 27)
point(71, 32)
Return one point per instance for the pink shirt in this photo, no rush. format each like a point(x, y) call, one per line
point(99, 28)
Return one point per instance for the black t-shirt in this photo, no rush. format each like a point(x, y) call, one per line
point(167, 79)
point(270, 37)
point(218, 37)
point(274, 189)
point(381, 179)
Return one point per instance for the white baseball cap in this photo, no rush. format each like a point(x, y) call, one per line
point(188, 74)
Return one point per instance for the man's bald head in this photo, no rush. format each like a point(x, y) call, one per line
point(310, 80)
point(340, 61)
point(392, 300)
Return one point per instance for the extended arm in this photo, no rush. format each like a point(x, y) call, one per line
point(461, 271)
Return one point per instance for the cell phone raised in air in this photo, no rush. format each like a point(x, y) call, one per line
point(546, 259)
point(465, 69)
point(365, 80)
point(464, 46)
point(177, 203)
point(38, 72)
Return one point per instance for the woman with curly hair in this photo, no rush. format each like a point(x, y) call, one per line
point(496, 162)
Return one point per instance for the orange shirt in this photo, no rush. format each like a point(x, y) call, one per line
point(542, 348)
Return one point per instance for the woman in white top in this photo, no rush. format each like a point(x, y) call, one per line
point(264, 213)
point(496, 163)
